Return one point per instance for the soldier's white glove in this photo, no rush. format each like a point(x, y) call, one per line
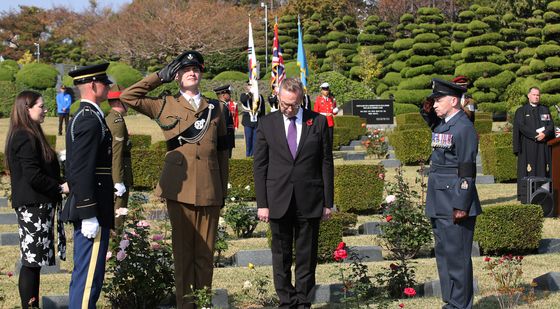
point(121, 189)
point(335, 110)
point(90, 227)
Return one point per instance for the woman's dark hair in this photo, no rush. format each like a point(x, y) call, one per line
point(20, 120)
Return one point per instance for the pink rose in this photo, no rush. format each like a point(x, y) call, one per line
point(121, 212)
point(156, 246)
point(124, 244)
point(157, 237)
point(143, 223)
point(121, 255)
point(390, 199)
point(108, 256)
point(410, 292)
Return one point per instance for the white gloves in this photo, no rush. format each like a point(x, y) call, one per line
point(90, 227)
point(335, 110)
point(121, 189)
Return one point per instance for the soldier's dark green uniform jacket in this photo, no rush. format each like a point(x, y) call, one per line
point(88, 167)
point(122, 159)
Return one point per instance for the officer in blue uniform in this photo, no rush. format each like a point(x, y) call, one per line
point(88, 171)
point(452, 202)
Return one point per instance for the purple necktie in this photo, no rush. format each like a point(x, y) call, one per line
point(292, 136)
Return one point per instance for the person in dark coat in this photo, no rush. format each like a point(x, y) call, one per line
point(36, 192)
point(294, 183)
point(469, 107)
point(224, 96)
point(88, 170)
point(533, 127)
point(250, 123)
point(452, 202)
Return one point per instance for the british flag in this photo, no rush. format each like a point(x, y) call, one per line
point(278, 72)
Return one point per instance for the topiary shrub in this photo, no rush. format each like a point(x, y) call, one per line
point(509, 228)
point(416, 96)
point(123, 74)
point(231, 75)
point(497, 156)
point(37, 76)
point(417, 82)
point(420, 138)
point(242, 184)
point(7, 73)
point(500, 81)
point(141, 141)
point(358, 188)
point(483, 126)
point(8, 93)
point(421, 70)
point(475, 70)
point(547, 50)
point(410, 118)
point(400, 108)
point(147, 165)
point(352, 123)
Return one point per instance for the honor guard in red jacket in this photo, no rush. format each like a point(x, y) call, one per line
point(325, 104)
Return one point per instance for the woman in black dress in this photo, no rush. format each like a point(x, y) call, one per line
point(36, 192)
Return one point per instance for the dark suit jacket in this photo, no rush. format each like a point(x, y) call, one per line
point(88, 168)
point(309, 177)
point(33, 180)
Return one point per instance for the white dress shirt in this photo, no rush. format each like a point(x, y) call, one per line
point(196, 98)
point(299, 118)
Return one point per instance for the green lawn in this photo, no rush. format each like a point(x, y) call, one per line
point(232, 278)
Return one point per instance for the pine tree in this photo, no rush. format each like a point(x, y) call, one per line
point(547, 55)
point(342, 44)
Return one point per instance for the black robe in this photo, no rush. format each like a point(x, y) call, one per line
point(533, 157)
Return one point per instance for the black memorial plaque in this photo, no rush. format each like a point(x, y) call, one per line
point(374, 111)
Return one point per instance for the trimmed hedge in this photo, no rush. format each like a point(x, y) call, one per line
point(400, 108)
point(358, 188)
point(123, 74)
point(231, 75)
point(483, 126)
point(412, 96)
point(410, 118)
point(420, 138)
point(497, 156)
point(475, 70)
point(147, 165)
point(500, 81)
point(330, 235)
point(509, 228)
point(8, 93)
point(141, 141)
point(352, 123)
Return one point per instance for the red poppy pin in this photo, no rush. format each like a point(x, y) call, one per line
point(309, 122)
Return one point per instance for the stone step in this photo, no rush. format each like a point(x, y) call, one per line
point(549, 245)
point(548, 282)
point(3, 202)
point(355, 156)
point(371, 228)
point(9, 239)
point(8, 218)
point(391, 154)
point(433, 288)
point(45, 270)
point(219, 300)
point(478, 158)
point(356, 143)
point(157, 214)
point(263, 257)
point(479, 168)
point(351, 148)
point(388, 163)
point(484, 179)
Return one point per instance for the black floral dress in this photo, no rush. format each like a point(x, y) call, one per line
point(36, 234)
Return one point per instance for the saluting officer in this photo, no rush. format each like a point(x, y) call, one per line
point(122, 158)
point(452, 202)
point(88, 171)
point(195, 172)
point(224, 96)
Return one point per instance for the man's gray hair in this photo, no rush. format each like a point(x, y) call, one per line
point(292, 85)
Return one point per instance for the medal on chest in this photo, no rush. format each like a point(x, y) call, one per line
point(441, 140)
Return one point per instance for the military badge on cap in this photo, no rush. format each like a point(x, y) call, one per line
point(442, 88)
point(91, 73)
point(192, 58)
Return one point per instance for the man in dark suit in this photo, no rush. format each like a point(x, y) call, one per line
point(88, 170)
point(452, 202)
point(293, 171)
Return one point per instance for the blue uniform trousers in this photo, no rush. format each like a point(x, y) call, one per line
point(453, 247)
point(89, 268)
point(250, 140)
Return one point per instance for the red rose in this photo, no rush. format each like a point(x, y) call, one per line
point(340, 254)
point(341, 245)
point(487, 259)
point(10, 274)
point(401, 305)
point(382, 139)
point(389, 218)
point(409, 292)
point(393, 266)
point(309, 122)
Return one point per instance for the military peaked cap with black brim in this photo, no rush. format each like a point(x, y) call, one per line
point(223, 89)
point(90, 73)
point(442, 88)
point(192, 58)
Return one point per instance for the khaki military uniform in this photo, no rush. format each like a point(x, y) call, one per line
point(193, 181)
point(122, 159)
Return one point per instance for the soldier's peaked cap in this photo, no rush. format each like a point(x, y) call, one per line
point(192, 58)
point(222, 89)
point(90, 73)
point(442, 88)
